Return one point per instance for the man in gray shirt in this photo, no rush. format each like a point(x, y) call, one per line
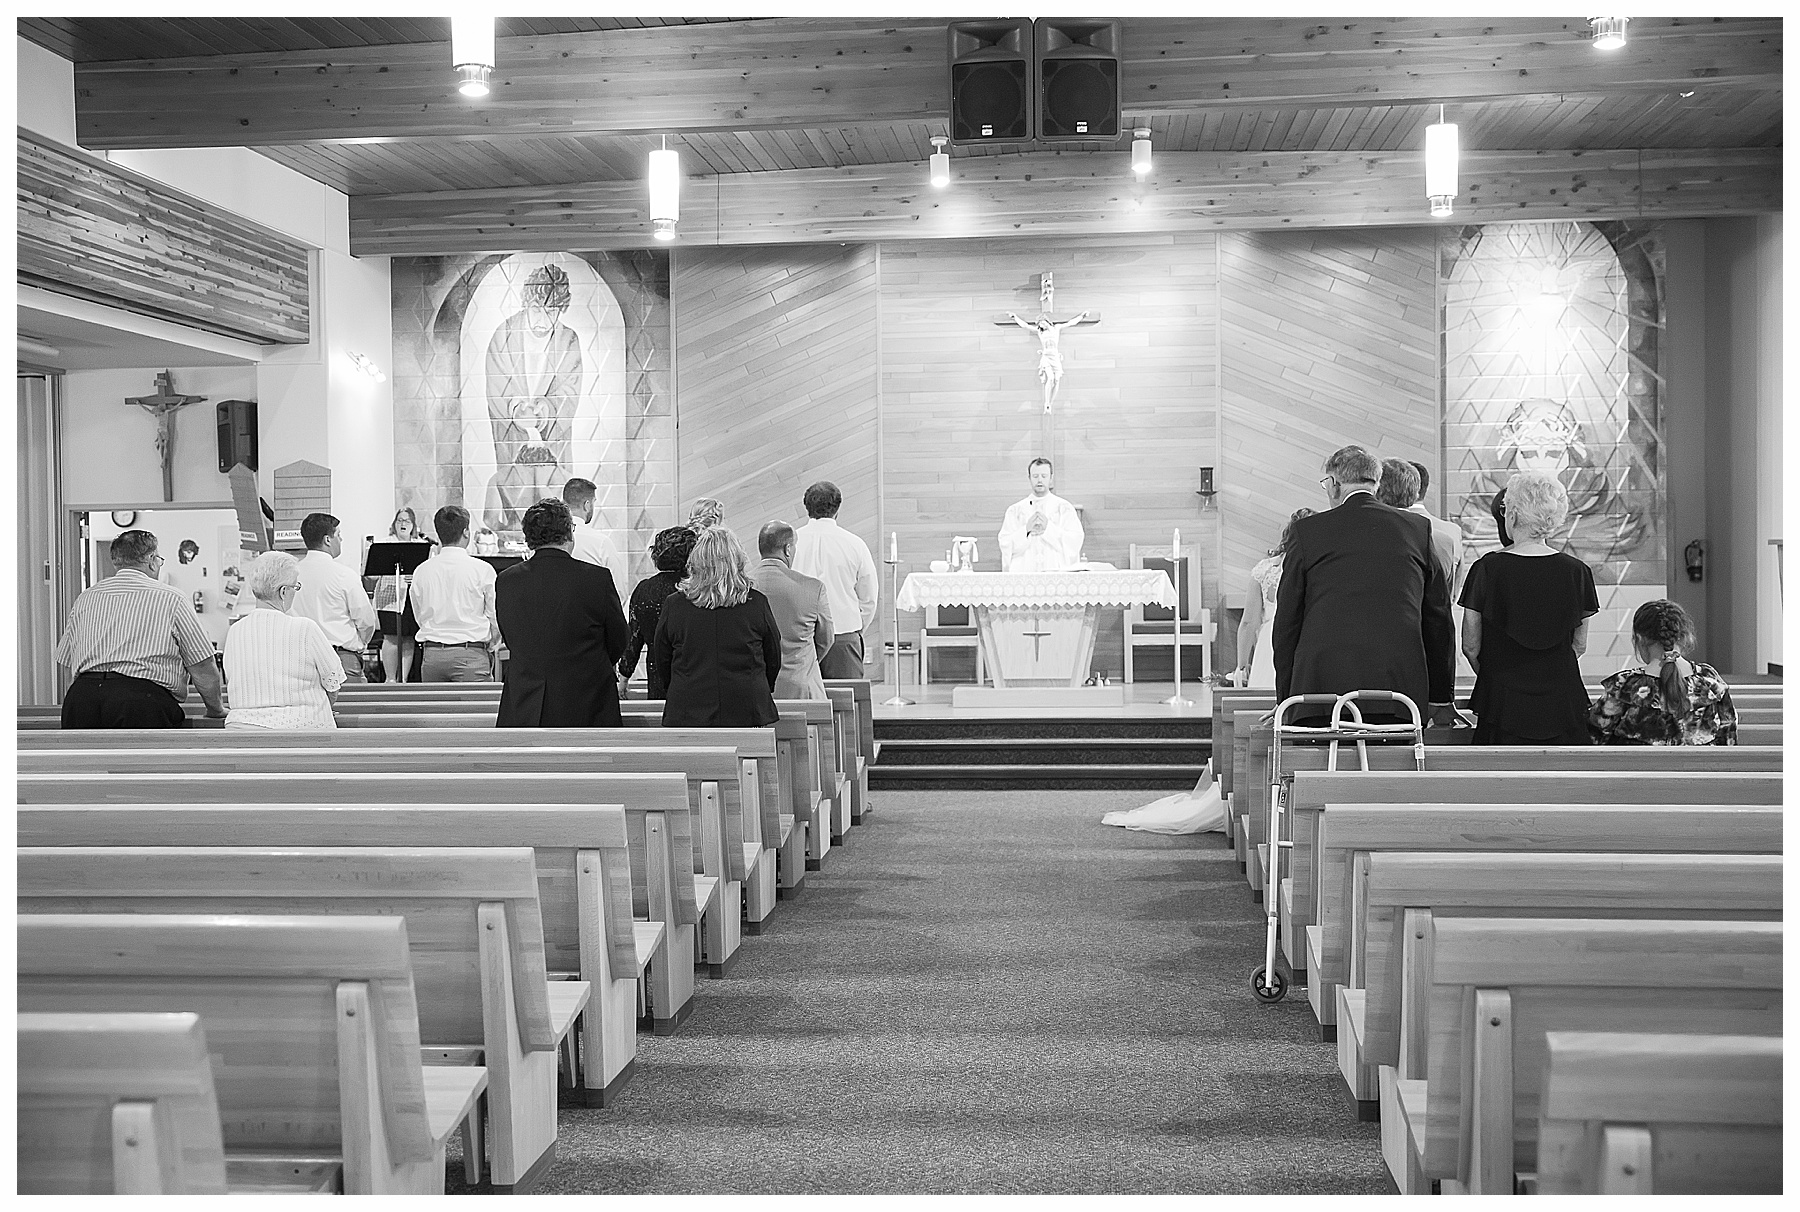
point(801, 613)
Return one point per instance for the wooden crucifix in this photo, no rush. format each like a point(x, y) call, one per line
point(163, 406)
point(1048, 330)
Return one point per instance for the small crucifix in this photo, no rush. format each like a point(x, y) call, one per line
point(1037, 641)
point(1048, 330)
point(163, 406)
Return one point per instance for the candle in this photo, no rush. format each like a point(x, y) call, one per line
point(894, 547)
point(1175, 545)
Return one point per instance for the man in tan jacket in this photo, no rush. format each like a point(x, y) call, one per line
point(801, 613)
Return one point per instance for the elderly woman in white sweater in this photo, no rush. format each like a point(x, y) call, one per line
point(280, 670)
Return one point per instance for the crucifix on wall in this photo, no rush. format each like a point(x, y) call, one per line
point(1048, 330)
point(163, 406)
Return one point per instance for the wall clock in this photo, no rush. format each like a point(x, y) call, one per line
point(124, 517)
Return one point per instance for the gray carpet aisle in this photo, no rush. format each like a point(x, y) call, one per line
point(989, 992)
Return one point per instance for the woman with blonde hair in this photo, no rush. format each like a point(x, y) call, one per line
point(718, 641)
point(280, 670)
point(1525, 613)
point(393, 602)
point(706, 512)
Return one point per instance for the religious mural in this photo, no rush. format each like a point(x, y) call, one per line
point(518, 371)
point(1551, 337)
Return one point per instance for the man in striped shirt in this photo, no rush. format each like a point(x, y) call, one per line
point(132, 644)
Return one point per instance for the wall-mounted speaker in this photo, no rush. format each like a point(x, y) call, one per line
point(237, 434)
point(990, 81)
point(1078, 78)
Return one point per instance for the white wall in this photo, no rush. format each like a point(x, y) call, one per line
point(108, 446)
point(46, 92)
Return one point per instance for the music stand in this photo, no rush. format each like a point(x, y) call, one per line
point(500, 563)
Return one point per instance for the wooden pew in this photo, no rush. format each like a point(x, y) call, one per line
point(473, 923)
point(862, 691)
point(847, 738)
point(1640, 1114)
point(1348, 833)
point(331, 998)
point(658, 825)
point(1517, 775)
point(582, 858)
point(1402, 894)
point(755, 798)
point(719, 849)
point(1491, 988)
point(123, 1104)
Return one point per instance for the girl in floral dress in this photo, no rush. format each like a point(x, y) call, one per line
point(1667, 699)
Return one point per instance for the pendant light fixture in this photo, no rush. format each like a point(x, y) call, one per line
point(665, 190)
point(1140, 150)
point(1609, 32)
point(1440, 166)
point(472, 53)
point(940, 161)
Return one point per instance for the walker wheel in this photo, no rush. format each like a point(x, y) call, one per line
point(1268, 986)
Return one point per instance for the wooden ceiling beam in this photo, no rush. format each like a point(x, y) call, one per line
point(825, 72)
point(1050, 194)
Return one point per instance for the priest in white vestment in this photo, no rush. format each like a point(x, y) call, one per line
point(1043, 532)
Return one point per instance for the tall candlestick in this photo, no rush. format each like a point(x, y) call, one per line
point(1175, 700)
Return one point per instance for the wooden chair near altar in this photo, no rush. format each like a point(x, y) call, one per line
point(949, 627)
point(1154, 626)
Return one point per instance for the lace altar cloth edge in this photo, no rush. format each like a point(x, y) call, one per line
point(1121, 587)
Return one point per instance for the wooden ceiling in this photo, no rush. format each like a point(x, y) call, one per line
point(794, 110)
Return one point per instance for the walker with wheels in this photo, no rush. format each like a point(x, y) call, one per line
point(1268, 982)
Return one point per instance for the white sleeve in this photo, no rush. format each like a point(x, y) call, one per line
point(1070, 536)
point(1012, 536)
point(868, 587)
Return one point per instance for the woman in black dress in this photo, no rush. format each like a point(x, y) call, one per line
point(1525, 617)
point(719, 641)
point(669, 552)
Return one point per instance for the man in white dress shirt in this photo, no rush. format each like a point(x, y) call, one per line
point(591, 543)
point(332, 596)
point(1043, 532)
point(825, 551)
point(453, 600)
point(1446, 536)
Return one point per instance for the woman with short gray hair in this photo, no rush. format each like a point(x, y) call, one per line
point(1525, 613)
point(280, 670)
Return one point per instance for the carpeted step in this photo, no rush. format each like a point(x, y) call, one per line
point(993, 777)
point(1047, 751)
point(1043, 728)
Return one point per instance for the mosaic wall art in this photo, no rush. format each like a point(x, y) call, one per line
point(1552, 333)
point(518, 371)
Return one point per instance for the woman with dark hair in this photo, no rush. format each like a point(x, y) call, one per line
point(1255, 645)
point(1667, 698)
point(669, 552)
point(393, 602)
point(719, 641)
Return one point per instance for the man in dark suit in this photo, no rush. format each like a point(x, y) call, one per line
point(564, 629)
point(1363, 602)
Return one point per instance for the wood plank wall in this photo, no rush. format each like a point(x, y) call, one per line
point(776, 352)
point(961, 404)
point(1327, 338)
point(91, 229)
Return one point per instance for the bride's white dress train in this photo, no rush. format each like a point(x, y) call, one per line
point(1201, 810)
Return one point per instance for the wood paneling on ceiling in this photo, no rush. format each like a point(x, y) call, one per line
point(1052, 194)
point(93, 230)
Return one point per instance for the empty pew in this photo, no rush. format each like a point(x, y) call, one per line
point(473, 923)
point(658, 828)
point(123, 1104)
point(311, 1029)
point(755, 797)
point(847, 738)
point(1491, 988)
point(581, 855)
point(1402, 894)
point(1640, 1114)
point(1349, 833)
point(711, 772)
point(862, 691)
point(1502, 774)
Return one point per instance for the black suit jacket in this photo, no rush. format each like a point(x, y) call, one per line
point(722, 663)
point(565, 631)
point(1363, 605)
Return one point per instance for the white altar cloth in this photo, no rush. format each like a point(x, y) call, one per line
point(1037, 628)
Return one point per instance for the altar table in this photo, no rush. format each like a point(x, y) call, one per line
point(1037, 628)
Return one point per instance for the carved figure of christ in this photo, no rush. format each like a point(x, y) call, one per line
point(1048, 330)
point(163, 406)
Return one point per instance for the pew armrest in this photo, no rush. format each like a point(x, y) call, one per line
point(567, 999)
point(282, 1174)
point(752, 853)
point(648, 937)
point(706, 892)
point(787, 826)
point(450, 1094)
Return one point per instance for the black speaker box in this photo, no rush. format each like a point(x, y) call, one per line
point(237, 434)
point(1078, 78)
point(990, 81)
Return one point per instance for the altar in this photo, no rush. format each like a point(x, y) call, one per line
point(1037, 628)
